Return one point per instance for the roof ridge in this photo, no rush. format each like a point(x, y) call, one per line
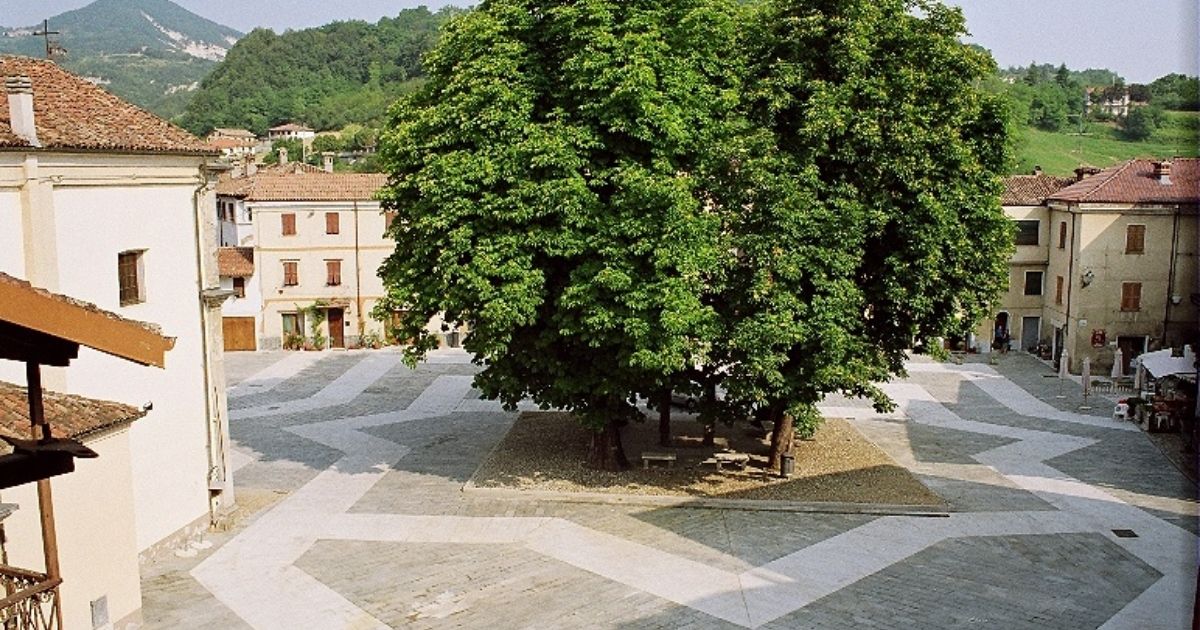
point(1111, 176)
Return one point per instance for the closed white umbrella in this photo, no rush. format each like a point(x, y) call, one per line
point(1063, 362)
point(1118, 364)
point(1139, 377)
point(1086, 376)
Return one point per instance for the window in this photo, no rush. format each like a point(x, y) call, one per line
point(388, 218)
point(129, 278)
point(1033, 283)
point(289, 223)
point(1131, 296)
point(1135, 239)
point(291, 273)
point(1027, 232)
point(239, 287)
point(1058, 290)
point(332, 223)
point(1062, 235)
point(293, 324)
point(333, 272)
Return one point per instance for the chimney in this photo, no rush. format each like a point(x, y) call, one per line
point(1084, 172)
point(1162, 172)
point(283, 156)
point(327, 160)
point(251, 165)
point(20, 108)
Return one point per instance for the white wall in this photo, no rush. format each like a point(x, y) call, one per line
point(94, 224)
point(12, 250)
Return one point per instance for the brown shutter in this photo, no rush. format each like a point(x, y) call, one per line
point(388, 218)
point(1131, 296)
point(289, 223)
point(127, 278)
point(333, 272)
point(1062, 235)
point(291, 274)
point(1058, 290)
point(1135, 239)
point(331, 223)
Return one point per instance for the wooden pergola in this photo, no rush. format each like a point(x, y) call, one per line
point(41, 328)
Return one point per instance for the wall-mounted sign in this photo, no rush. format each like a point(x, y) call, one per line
point(1099, 338)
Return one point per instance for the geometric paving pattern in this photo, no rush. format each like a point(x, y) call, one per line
point(321, 558)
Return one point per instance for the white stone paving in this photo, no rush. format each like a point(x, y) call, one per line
point(254, 574)
point(271, 376)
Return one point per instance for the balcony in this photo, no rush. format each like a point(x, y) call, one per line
point(30, 602)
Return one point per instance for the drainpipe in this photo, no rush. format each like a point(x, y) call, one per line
point(1171, 276)
point(218, 483)
point(358, 303)
point(1070, 289)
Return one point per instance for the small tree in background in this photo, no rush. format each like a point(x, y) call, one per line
point(1141, 122)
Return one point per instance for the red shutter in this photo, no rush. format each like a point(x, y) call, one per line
point(332, 225)
point(333, 272)
point(289, 224)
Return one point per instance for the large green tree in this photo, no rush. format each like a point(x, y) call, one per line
point(546, 182)
point(619, 197)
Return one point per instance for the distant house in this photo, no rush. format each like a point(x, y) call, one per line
point(233, 142)
point(1113, 101)
point(106, 203)
point(290, 131)
point(1106, 262)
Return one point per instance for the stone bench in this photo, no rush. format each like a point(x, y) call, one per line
point(658, 456)
point(719, 460)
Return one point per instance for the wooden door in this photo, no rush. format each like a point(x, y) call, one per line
point(337, 328)
point(239, 333)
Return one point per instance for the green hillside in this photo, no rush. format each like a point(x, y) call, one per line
point(1101, 145)
point(325, 77)
point(152, 53)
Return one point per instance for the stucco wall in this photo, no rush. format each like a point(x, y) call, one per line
point(97, 543)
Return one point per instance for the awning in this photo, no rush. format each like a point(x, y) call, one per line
point(1161, 363)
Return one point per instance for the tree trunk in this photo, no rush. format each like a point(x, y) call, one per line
point(664, 419)
point(781, 436)
point(710, 423)
point(606, 452)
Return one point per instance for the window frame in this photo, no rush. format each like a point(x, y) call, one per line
point(1041, 287)
point(1131, 297)
point(1058, 290)
point(291, 273)
point(333, 223)
point(239, 287)
point(131, 266)
point(1140, 230)
point(1022, 229)
point(1062, 234)
point(333, 272)
point(287, 224)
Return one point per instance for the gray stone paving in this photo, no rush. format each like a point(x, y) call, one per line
point(1075, 578)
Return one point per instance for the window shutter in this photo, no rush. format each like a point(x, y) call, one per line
point(1062, 235)
point(332, 225)
point(289, 223)
point(1131, 296)
point(291, 273)
point(1135, 239)
point(1058, 290)
point(333, 272)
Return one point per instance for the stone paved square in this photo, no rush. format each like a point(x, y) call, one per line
point(350, 469)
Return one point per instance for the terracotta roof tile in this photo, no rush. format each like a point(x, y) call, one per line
point(68, 415)
point(303, 185)
point(71, 113)
point(228, 132)
point(1135, 182)
point(290, 127)
point(1031, 190)
point(239, 186)
point(235, 262)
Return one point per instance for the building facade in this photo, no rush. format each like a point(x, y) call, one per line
point(106, 203)
point(1106, 262)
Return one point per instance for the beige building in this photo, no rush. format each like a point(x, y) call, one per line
point(106, 203)
point(318, 240)
point(1106, 262)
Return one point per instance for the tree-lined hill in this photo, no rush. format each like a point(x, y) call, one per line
point(153, 53)
point(326, 77)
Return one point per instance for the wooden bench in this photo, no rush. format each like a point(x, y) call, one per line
point(658, 456)
point(719, 460)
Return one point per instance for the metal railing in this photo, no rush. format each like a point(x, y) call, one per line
point(30, 602)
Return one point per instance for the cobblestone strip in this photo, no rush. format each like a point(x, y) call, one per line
point(270, 377)
point(341, 391)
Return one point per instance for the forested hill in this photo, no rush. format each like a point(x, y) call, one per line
point(325, 77)
point(150, 52)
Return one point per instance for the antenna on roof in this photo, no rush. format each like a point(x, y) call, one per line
point(52, 48)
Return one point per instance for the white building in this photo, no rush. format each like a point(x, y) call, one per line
point(106, 203)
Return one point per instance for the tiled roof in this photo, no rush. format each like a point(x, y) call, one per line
point(232, 143)
point(239, 186)
point(1135, 182)
point(1031, 190)
point(71, 113)
point(68, 415)
point(233, 133)
point(304, 186)
point(290, 127)
point(235, 262)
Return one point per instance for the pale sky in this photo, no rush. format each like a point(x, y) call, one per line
point(1139, 39)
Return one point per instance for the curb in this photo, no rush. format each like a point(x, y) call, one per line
point(750, 505)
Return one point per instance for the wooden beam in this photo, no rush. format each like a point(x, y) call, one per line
point(18, 343)
point(81, 323)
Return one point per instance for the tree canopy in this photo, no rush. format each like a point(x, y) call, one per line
point(620, 196)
